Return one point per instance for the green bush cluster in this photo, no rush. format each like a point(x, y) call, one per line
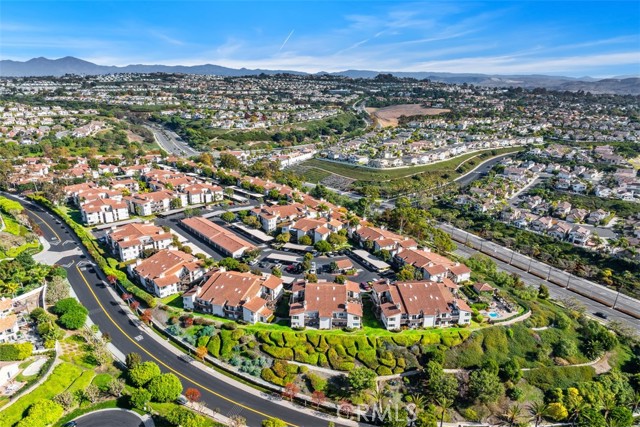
point(280, 373)
point(396, 353)
point(73, 315)
point(15, 351)
point(41, 414)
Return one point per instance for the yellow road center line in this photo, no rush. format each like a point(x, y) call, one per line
point(145, 350)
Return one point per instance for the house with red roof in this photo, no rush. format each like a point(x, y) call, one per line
point(326, 305)
point(418, 304)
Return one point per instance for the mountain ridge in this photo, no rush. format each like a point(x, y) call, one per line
point(41, 66)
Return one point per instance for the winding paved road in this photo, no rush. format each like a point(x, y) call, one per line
point(111, 316)
point(170, 141)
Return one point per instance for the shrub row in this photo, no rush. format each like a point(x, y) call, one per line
point(97, 253)
point(15, 351)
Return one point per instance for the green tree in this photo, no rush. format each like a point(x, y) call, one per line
point(142, 373)
point(591, 417)
point(485, 386)
point(543, 292)
point(175, 203)
point(139, 398)
point(305, 240)
point(538, 410)
point(229, 161)
point(406, 273)
point(228, 216)
point(557, 411)
point(42, 413)
point(251, 221)
point(72, 314)
point(283, 237)
point(362, 379)
point(165, 388)
point(336, 239)
point(510, 371)
point(323, 246)
point(620, 417)
point(133, 359)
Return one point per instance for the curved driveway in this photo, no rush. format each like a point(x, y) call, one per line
point(89, 285)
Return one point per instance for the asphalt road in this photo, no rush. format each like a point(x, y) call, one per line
point(480, 170)
point(114, 418)
point(170, 141)
point(561, 284)
point(110, 315)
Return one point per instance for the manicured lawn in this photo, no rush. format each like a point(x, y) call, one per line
point(102, 381)
point(62, 377)
point(173, 301)
point(82, 381)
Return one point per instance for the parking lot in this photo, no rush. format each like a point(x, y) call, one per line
point(322, 262)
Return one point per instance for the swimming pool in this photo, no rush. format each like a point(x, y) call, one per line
point(493, 315)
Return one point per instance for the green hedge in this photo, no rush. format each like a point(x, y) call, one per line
point(15, 351)
point(213, 347)
point(97, 253)
point(278, 352)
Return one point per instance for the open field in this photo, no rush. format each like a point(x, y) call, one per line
point(363, 174)
point(388, 116)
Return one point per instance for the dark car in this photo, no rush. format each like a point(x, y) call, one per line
point(601, 315)
point(70, 424)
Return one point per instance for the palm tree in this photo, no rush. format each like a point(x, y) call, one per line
point(444, 404)
point(576, 410)
point(538, 411)
point(418, 400)
point(512, 415)
point(378, 396)
point(635, 402)
point(608, 403)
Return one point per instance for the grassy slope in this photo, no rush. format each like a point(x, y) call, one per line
point(364, 174)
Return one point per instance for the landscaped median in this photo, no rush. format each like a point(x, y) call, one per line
point(89, 242)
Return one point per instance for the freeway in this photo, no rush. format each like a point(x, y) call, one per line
point(170, 141)
point(111, 316)
point(596, 298)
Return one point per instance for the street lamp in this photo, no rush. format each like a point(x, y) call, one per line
point(617, 296)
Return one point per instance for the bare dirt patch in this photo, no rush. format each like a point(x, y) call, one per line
point(134, 137)
point(388, 116)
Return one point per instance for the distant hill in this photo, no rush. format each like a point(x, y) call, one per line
point(70, 65)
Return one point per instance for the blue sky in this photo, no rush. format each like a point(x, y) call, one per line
point(575, 38)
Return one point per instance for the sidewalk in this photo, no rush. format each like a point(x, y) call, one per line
point(274, 397)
